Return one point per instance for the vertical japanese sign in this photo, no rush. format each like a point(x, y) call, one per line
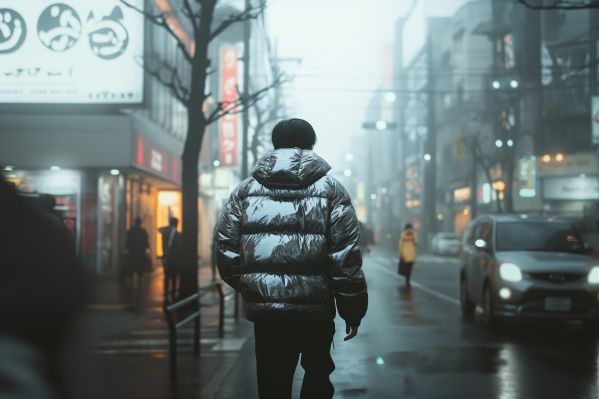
point(228, 91)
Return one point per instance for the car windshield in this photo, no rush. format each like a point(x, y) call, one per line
point(538, 236)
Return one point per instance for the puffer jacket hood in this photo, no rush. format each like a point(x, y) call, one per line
point(290, 168)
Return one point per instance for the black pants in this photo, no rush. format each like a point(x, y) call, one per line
point(171, 282)
point(405, 269)
point(279, 345)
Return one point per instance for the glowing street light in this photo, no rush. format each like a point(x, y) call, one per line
point(216, 163)
point(559, 157)
point(499, 185)
point(347, 172)
point(381, 125)
point(390, 97)
point(496, 85)
point(115, 172)
point(373, 196)
point(514, 84)
point(510, 143)
point(427, 157)
point(546, 158)
point(498, 143)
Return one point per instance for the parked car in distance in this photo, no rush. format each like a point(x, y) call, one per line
point(446, 244)
point(516, 266)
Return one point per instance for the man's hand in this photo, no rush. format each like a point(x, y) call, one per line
point(351, 332)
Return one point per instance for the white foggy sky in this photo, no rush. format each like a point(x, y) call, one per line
point(342, 44)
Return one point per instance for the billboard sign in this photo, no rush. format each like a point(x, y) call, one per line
point(571, 188)
point(71, 52)
point(228, 126)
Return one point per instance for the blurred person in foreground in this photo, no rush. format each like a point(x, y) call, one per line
point(171, 258)
point(43, 289)
point(407, 252)
point(138, 248)
point(288, 242)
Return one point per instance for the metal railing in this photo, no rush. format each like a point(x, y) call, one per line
point(174, 325)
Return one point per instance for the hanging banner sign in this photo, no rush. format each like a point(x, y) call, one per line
point(228, 126)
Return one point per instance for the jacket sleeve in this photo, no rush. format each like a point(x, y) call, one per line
point(344, 254)
point(228, 240)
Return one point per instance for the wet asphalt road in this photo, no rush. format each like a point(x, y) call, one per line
point(413, 344)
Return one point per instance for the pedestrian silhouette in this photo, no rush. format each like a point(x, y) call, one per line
point(407, 252)
point(171, 258)
point(288, 241)
point(138, 247)
point(43, 288)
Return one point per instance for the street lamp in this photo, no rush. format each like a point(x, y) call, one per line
point(427, 157)
point(496, 85)
point(510, 143)
point(381, 125)
point(514, 84)
point(546, 158)
point(347, 172)
point(216, 163)
point(373, 196)
point(559, 157)
point(390, 97)
point(498, 143)
point(115, 172)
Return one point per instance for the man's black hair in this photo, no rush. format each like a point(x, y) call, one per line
point(172, 221)
point(292, 133)
point(137, 221)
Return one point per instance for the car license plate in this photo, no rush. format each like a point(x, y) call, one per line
point(558, 304)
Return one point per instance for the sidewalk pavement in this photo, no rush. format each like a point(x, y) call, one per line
point(129, 337)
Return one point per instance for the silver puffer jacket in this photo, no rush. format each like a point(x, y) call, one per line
point(288, 241)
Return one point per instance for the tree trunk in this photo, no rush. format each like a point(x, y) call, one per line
point(190, 188)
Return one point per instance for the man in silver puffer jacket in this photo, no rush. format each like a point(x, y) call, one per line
point(288, 242)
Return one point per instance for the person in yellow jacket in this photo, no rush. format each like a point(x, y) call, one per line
point(407, 252)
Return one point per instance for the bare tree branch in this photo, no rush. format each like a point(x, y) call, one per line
point(188, 11)
point(561, 5)
point(243, 102)
point(169, 77)
point(161, 19)
point(252, 12)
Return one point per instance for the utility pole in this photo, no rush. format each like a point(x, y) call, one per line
point(429, 207)
point(247, 31)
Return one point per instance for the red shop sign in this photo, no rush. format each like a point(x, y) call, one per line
point(228, 130)
point(155, 159)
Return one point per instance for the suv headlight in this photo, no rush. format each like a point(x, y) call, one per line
point(511, 272)
point(593, 277)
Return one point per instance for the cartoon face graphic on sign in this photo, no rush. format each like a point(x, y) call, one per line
point(108, 38)
point(12, 30)
point(59, 27)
